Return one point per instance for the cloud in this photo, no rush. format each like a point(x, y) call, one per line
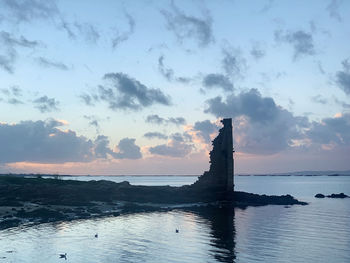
point(46, 104)
point(88, 99)
point(186, 26)
point(88, 32)
point(333, 10)
point(260, 126)
point(121, 37)
point(319, 99)
point(178, 146)
point(257, 52)
point(46, 63)
point(127, 93)
point(204, 129)
point(267, 6)
point(127, 149)
point(217, 81)
point(156, 119)
point(343, 77)
point(331, 131)
point(168, 73)
point(27, 10)
point(301, 41)
point(42, 142)
point(233, 62)
point(158, 135)
point(13, 94)
point(8, 49)
point(93, 121)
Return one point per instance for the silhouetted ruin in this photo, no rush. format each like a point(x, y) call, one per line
point(56, 199)
point(220, 174)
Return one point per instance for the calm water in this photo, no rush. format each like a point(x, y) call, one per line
point(319, 232)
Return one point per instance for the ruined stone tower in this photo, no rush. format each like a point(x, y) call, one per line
point(220, 174)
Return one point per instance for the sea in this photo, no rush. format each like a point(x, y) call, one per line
point(318, 232)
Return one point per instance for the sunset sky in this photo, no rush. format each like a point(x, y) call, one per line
point(139, 87)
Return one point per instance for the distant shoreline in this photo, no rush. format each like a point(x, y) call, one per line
point(167, 175)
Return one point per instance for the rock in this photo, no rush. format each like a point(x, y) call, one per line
point(9, 223)
point(341, 195)
point(320, 196)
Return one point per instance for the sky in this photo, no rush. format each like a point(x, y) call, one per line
point(139, 87)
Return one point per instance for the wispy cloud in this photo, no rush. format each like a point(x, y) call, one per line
point(123, 36)
point(302, 42)
point(156, 119)
point(46, 104)
point(47, 63)
point(8, 49)
point(343, 77)
point(186, 26)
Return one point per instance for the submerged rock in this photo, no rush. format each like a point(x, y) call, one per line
point(341, 195)
point(320, 196)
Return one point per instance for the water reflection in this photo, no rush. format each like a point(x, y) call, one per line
point(222, 230)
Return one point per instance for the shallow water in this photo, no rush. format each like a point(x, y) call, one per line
point(319, 232)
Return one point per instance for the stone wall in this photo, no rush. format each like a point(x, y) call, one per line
point(220, 174)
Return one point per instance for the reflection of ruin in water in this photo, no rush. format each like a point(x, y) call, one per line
point(222, 225)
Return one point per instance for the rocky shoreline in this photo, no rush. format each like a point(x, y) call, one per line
point(38, 200)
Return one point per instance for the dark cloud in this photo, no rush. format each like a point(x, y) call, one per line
point(168, 73)
point(342, 103)
point(156, 119)
point(186, 26)
point(178, 146)
point(12, 95)
point(158, 135)
point(47, 63)
point(127, 150)
point(28, 10)
point(46, 104)
point(260, 126)
point(343, 77)
point(233, 62)
point(127, 93)
point(8, 49)
point(217, 81)
point(204, 129)
point(333, 10)
point(42, 142)
point(123, 36)
point(301, 41)
point(331, 131)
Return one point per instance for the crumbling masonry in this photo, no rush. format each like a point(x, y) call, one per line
point(220, 174)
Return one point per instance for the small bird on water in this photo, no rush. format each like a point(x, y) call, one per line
point(63, 256)
point(177, 231)
point(96, 235)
